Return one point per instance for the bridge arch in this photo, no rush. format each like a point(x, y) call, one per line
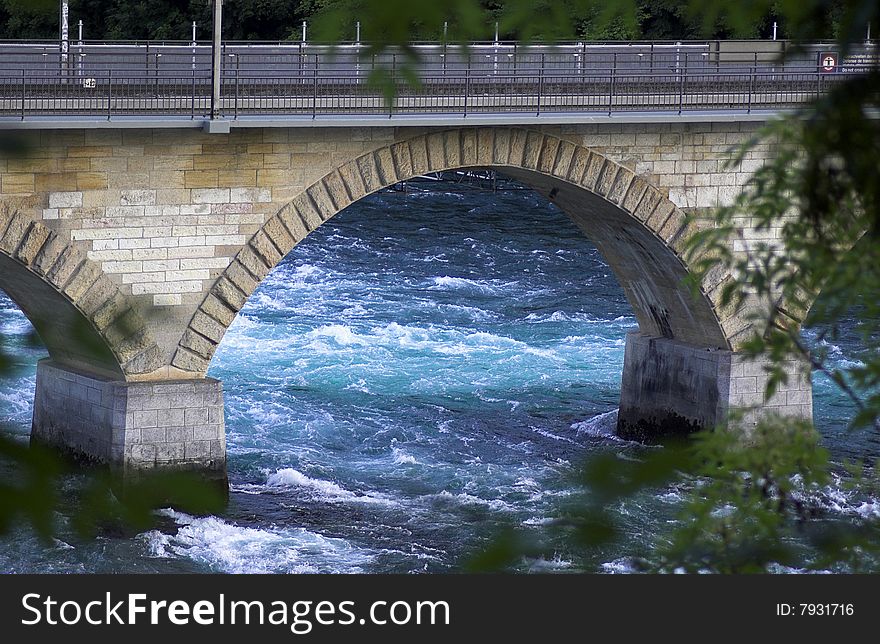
point(638, 230)
point(80, 314)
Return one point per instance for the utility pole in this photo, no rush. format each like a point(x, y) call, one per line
point(216, 62)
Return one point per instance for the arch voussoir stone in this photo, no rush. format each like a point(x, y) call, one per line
point(468, 148)
point(402, 159)
point(547, 155)
point(279, 235)
point(564, 157)
point(485, 146)
point(501, 147)
point(337, 190)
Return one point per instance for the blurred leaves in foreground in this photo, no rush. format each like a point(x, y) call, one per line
point(102, 502)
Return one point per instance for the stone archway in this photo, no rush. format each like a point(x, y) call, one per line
point(640, 232)
point(681, 369)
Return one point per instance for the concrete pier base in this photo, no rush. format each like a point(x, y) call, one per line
point(672, 388)
point(131, 426)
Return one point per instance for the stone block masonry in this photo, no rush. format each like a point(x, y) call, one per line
point(131, 426)
point(157, 249)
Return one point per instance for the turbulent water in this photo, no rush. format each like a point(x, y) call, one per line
point(422, 370)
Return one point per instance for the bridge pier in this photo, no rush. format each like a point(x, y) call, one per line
point(673, 388)
point(131, 426)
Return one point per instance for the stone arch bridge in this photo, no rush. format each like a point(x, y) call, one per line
point(132, 250)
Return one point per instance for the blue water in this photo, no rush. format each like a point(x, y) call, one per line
point(422, 370)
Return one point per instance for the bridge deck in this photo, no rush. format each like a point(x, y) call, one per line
point(506, 82)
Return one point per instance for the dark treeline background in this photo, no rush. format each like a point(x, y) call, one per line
point(281, 19)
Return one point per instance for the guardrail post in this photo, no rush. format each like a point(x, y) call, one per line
point(682, 73)
point(612, 83)
point(157, 75)
point(467, 85)
point(23, 94)
point(193, 113)
point(752, 82)
point(109, 94)
point(393, 83)
point(583, 58)
point(315, 89)
point(540, 84)
point(237, 74)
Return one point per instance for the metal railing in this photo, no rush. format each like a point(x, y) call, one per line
point(299, 80)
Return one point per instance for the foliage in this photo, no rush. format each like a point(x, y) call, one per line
point(151, 19)
point(400, 21)
point(751, 500)
point(103, 501)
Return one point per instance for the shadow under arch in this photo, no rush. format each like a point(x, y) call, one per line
point(640, 232)
point(83, 319)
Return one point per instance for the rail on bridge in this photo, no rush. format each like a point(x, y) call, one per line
point(173, 79)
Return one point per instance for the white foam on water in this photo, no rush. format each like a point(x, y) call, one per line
point(447, 283)
point(402, 458)
point(339, 333)
point(601, 426)
point(622, 566)
point(550, 565)
point(441, 257)
point(17, 402)
point(15, 323)
point(325, 491)
point(474, 312)
point(551, 435)
point(230, 548)
point(672, 498)
point(840, 498)
point(359, 385)
point(465, 499)
point(289, 276)
point(562, 316)
point(354, 311)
